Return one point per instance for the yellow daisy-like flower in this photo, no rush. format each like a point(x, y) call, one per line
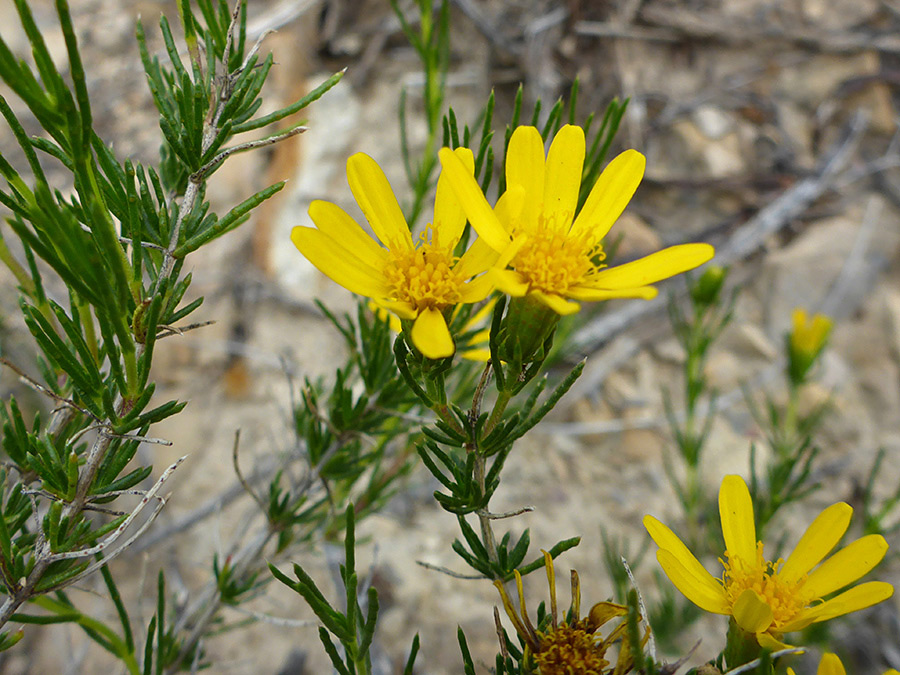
point(831, 665)
point(418, 281)
point(771, 598)
point(555, 257)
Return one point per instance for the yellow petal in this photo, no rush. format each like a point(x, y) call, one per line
point(698, 590)
point(820, 537)
point(449, 217)
point(482, 355)
point(402, 309)
point(431, 336)
point(752, 612)
point(654, 267)
point(610, 194)
point(508, 281)
point(478, 258)
point(846, 566)
point(525, 167)
point(354, 274)
point(852, 600)
point(562, 179)
point(509, 207)
point(830, 665)
point(470, 196)
point(736, 513)
point(669, 541)
point(337, 224)
point(375, 197)
point(766, 641)
point(587, 293)
point(476, 290)
point(557, 303)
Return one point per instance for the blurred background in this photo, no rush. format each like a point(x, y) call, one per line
point(770, 129)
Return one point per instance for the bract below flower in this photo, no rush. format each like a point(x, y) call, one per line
point(555, 257)
point(418, 281)
point(766, 598)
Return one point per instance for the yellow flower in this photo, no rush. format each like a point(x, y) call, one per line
point(806, 341)
point(831, 665)
point(572, 646)
point(771, 598)
point(555, 257)
point(417, 281)
point(474, 335)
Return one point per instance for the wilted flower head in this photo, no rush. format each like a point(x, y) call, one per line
point(569, 645)
point(766, 598)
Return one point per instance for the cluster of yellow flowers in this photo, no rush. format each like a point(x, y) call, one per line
point(530, 243)
point(534, 247)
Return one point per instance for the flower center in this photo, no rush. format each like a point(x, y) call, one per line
point(570, 650)
point(424, 276)
point(785, 598)
point(552, 260)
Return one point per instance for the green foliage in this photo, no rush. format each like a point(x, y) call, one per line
point(354, 626)
point(118, 243)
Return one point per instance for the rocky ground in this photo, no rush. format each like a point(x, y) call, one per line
point(770, 131)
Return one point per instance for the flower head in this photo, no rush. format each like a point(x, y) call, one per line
point(418, 281)
point(771, 598)
point(831, 665)
point(806, 341)
point(554, 256)
point(573, 645)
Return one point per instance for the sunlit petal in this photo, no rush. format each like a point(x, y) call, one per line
point(669, 541)
point(587, 293)
point(508, 281)
point(820, 537)
point(337, 224)
point(479, 257)
point(830, 665)
point(340, 265)
point(509, 207)
point(852, 600)
point(476, 208)
point(431, 336)
point(654, 267)
point(557, 303)
point(847, 565)
point(402, 309)
point(562, 178)
point(376, 199)
point(696, 589)
point(752, 612)
point(477, 289)
point(525, 167)
point(766, 641)
point(610, 194)
point(449, 217)
point(736, 513)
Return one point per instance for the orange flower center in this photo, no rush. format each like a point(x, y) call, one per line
point(570, 650)
point(785, 598)
point(424, 276)
point(553, 261)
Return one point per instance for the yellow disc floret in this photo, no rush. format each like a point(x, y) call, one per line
point(785, 598)
point(423, 276)
point(553, 261)
point(567, 650)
